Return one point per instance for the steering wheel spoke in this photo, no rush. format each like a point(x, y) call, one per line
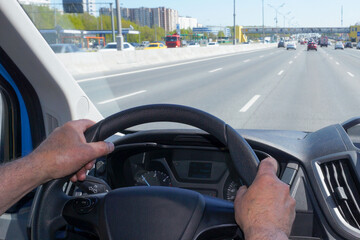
point(84, 212)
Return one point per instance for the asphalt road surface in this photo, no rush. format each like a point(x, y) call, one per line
point(264, 89)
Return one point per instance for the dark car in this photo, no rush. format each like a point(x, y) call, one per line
point(348, 45)
point(312, 46)
point(134, 44)
point(281, 44)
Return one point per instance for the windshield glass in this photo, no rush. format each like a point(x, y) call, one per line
point(171, 39)
point(110, 46)
point(250, 80)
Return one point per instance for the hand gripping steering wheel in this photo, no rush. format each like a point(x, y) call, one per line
point(160, 213)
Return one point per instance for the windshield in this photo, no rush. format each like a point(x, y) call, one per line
point(250, 80)
point(110, 46)
point(171, 39)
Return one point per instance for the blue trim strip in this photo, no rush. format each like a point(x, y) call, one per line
point(26, 141)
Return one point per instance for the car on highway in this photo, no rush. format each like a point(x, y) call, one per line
point(358, 45)
point(155, 45)
point(339, 45)
point(312, 46)
point(64, 48)
point(348, 45)
point(144, 43)
point(213, 44)
point(281, 44)
point(135, 44)
point(291, 45)
point(112, 46)
point(188, 131)
point(193, 44)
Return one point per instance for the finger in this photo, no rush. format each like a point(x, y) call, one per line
point(89, 165)
point(73, 178)
point(101, 148)
point(81, 174)
point(241, 192)
point(268, 166)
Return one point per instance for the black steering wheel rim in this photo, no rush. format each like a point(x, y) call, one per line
point(243, 157)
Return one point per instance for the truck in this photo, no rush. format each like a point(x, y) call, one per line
point(173, 41)
point(324, 41)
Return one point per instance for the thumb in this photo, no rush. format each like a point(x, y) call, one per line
point(101, 148)
point(240, 193)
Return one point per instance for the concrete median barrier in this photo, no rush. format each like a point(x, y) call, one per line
point(94, 62)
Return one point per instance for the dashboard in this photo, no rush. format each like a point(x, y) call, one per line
point(321, 169)
point(205, 169)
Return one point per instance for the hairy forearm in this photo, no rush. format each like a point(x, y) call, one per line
point(18, 178)
point(259, 233)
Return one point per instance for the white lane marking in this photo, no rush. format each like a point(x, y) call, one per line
point(295, 57)
point(162, 67)
point(249, 103)
point(271, 53)
point(350, 74)
point(247, 60)
point(337, 63)
point(261, 56)
point(290, 62)
point(218, 69)
point(331, 58)
point(121, 97)
point(281, 72)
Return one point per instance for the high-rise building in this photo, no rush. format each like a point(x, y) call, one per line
point(171, 19)
point(73, 6)
point(145, 17)
point(79, 6)
point(160, 17)
point(188, 22)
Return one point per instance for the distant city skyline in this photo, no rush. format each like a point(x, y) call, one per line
point(305, 13)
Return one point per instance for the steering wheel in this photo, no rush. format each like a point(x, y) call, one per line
point(145, 212)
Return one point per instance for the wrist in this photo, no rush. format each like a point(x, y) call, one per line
point(37, 166)
point(263, 233)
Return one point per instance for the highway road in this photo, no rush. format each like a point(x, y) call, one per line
point(264, 89)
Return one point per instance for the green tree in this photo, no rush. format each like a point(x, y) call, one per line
point(221, 34)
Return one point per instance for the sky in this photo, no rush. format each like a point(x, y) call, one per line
point(305, 13)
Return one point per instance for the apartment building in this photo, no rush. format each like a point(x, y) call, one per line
point(161, 17)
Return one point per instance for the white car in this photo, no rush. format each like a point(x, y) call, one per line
point(339, 45)
point(194, 44)
point(291, 45)
point(113, 47)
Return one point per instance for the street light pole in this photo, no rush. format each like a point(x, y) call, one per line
point(276, 13)
point(263, 25)
point(112, 22)
point(155, 32)
point(234, 26)
point(284, 15)
point(119, 37)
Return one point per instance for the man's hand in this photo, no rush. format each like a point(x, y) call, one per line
point(265, 210)
point(65, 152)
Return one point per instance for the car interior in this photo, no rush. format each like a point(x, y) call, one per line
point(159, 183)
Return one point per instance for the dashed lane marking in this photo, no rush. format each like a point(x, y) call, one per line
point(249, 103)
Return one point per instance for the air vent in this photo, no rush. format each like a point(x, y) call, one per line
point(343, 186)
